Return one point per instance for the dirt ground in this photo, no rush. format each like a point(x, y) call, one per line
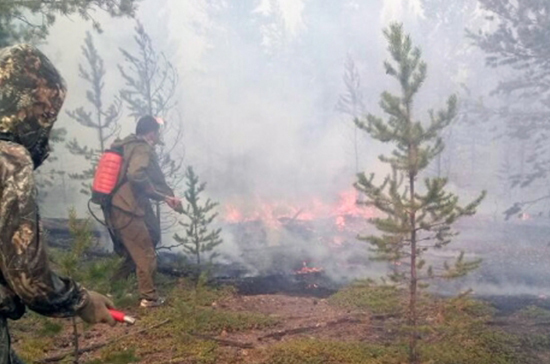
point(295, 316)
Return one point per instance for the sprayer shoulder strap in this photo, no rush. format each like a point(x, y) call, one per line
point(8, 137)
point(126, 162)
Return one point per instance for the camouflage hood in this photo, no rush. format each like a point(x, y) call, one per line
point(31, 94)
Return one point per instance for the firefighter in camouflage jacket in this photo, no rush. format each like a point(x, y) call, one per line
point(31, 95)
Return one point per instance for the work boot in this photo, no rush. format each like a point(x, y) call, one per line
point(151, 303)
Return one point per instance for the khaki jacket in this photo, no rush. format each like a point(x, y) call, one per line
point(141, 180)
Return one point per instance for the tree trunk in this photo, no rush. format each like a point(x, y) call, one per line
point(100, 130)
point(413, 170)
point(413, 357)
point(198, 246)
point(356, 150)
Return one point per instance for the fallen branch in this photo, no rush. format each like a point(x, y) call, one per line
point(384, 316)
point(223, 342)
point(300, 330)
point(525, 324)
point(59, 357)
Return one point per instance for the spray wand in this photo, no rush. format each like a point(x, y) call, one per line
point(122, 317)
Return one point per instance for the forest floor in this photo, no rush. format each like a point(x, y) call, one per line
point(359, 324)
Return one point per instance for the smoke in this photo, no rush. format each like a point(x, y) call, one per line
point(259, 82)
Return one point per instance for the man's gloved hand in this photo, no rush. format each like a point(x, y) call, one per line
point(96, 309)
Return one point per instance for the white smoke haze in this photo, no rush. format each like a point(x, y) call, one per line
point(257, 97)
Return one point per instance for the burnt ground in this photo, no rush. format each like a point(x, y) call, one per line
point(293, 317)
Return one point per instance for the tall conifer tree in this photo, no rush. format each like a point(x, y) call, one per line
point(151, 82)
point(416, 218)
point(102, 119)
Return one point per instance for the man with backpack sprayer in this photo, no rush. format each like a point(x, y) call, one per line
point(134, 177)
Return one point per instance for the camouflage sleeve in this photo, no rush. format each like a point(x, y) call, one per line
point(23, 258)
point(144, 173)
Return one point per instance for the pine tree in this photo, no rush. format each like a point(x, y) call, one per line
point(517, 41)
point(199, 238)
point(414, 222)
point(151, 83)
point(102, 119)
point(351, 102)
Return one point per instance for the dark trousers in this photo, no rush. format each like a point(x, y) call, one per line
point(7, 356)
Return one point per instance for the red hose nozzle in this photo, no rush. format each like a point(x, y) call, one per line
point(122, 317)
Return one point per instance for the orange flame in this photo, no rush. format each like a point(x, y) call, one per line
point(340, 223)
point(271, 213)
point(306, 270)
point(232, 215)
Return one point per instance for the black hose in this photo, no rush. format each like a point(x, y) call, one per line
point(105, 223)
point(94, 215)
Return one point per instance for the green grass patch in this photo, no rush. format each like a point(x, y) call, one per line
point(312, 351)
point(484, 347)
point(195, 351)
point(534, 313)
point(451, 331)
point(35, 325)
point(111, 356)
point(50, 327)
point(457, 333)
point(190, 313)
point(471, 346)
point(200, 294)
point(179, 347)
point(33, 349)
point(378, 299)
point(193, 312)
point(536, 342)
point(214, 321)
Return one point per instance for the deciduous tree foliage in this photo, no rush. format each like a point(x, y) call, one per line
point(29, 20)
point(417, 218)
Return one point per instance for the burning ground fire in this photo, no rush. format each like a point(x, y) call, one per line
point(338, 219)
point(307, 270)
point(274, 213)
